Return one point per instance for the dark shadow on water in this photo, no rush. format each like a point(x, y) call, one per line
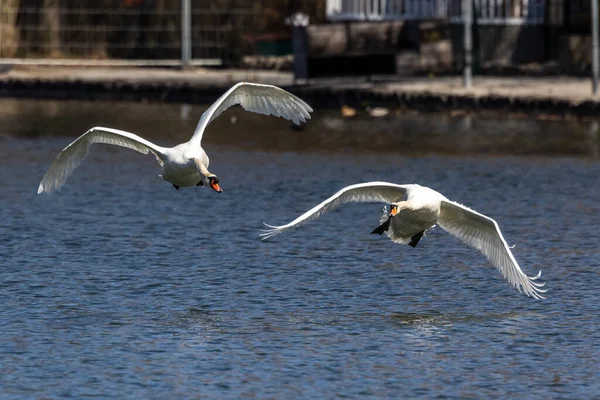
point(195, 319)
point(442, 319)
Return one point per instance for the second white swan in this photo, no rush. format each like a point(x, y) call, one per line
point(409, 220)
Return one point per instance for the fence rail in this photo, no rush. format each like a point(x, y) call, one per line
point(491, 12)
point(121, 32)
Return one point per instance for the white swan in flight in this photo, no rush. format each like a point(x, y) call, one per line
point(409, 220)
point(185, 164)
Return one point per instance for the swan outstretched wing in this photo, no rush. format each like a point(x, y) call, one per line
point(71, 157)
point(369, 192)
point(483, 234)
point(258, 98)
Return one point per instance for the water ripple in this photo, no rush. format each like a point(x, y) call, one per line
point(121, 286)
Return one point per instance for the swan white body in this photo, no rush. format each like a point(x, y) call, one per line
point(420, 212)
point(186, 164)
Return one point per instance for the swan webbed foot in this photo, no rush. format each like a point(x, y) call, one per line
point(200, 183)
point(415, 239)
point(175, 186)
point(383, 227)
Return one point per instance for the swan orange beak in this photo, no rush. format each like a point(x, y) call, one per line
point(216, 187)
point(393, 210)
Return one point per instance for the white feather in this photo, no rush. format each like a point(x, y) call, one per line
point(423, 209)
point(371, 192)
point(185, 164)
point(73, 155)
point(258, 98)
point(483, 233)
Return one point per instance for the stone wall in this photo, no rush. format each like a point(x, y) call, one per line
point(502, 44)
point(575, 53)
point(419, 46)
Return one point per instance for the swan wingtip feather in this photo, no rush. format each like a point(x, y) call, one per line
point(538, 275)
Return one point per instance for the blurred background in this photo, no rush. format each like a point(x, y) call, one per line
point(222, 31)
point(120, 286)
point(377, 36)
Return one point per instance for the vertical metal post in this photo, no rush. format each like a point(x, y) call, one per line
point(595, 47)
point(1, 29)
point(468, 43)
point(186, 33)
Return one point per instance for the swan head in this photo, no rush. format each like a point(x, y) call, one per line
point(395, 208)
point(212, 181)
point(208, 178)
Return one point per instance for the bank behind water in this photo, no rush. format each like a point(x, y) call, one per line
point(540, 97)
point(411, 134)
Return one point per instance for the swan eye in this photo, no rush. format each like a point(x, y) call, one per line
point(214, 179)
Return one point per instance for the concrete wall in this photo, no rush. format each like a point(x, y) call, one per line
point(355, 48)
point(504, 45)
point(575, 53)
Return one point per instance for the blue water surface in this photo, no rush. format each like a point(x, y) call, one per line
point(120, 286)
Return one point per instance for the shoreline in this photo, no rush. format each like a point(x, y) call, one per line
point(559, 98)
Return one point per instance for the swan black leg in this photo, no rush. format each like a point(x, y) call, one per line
point(415, 239)
point(200, 183)
point(175, 186)
point(383, 227)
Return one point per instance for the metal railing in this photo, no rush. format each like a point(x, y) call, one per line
point(487, 12)
point(122, 32)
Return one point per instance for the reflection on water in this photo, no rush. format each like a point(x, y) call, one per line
point(120, 286)
point(407, 133)
point(437, 318)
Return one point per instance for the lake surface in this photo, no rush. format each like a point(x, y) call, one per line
point(120, 286)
